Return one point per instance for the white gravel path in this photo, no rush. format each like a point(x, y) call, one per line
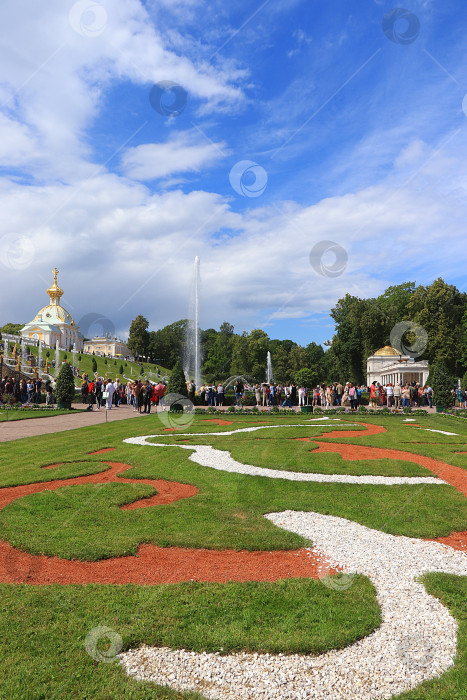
point(208, 456)
point(416, 641)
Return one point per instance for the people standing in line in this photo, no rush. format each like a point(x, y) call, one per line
point(265, 392)
point(147, 389)
point(397, 395)
point(238, 391)
point(192, 391)
point(353, 397)
point(84, 391)
point(91, 395)
point(109, 390)
point(301, 396)
point(258, 395)
point(390, 395)
point(98, 392)
point(202, 394)
point(220, 394)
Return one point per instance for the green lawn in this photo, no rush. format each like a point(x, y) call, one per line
point(130, 369)
point(21, 414)
point(44, 627)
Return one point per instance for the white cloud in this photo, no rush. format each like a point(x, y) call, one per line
point(183, 153)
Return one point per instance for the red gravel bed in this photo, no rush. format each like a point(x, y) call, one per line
point(456, 540)
point(155, 565)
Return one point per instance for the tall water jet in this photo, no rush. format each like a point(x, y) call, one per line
point(23, 355)
point(192, 360)
point(39, 356)
point(57, 358)
point(269, 374)
point(74, 355)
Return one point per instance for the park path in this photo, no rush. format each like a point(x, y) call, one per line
point(30, 427)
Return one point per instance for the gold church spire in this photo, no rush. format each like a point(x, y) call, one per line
point(54, 292)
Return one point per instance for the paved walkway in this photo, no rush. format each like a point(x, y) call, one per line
point(30, 427)
point(15, 430)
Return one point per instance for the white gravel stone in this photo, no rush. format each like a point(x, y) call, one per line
point(208, 456)
point(416, 641)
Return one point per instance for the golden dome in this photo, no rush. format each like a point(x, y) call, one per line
point(54, 292)
point(387, 351)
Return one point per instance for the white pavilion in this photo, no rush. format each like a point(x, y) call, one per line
point(54, 323)
point(388, 365)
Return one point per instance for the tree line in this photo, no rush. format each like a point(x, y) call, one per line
point(362, 326)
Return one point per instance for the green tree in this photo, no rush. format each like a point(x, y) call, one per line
point(441, 383)
point(439, 309)
point(297, 360)
point(218, 357)
point(306, 377)
point(280, 362)
point(177, 382)
point(120, 370)
point(65, 388)
point(94, 365)
point(138, 339)
point(12, 328)
point(240, 359)
point(167, 344)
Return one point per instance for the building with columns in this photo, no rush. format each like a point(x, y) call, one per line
point(54, 323)
point(107, 347)
point(387, 365)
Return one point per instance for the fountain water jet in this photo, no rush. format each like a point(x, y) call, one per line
point(269, 374)
point(57, 358)
point(192, 363)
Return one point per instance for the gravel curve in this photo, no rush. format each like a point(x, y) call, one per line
point(208, 456)
point(416, 641)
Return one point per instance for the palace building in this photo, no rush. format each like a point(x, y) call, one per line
point(388, 365)
point(54, 323)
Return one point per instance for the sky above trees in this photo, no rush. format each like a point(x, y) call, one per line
point(135, 135)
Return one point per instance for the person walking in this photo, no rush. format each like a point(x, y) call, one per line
point(287, 397)
point(109, 390)
point(265, 392)
point(220, 394)
point(84, 391)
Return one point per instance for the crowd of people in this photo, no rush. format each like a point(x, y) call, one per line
point(140, 394)
point(27, 392)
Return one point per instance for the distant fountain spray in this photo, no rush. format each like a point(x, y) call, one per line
point(74, 354)
point(192, 360)
point(39, 356)
point(269, 374)
point(57, 358)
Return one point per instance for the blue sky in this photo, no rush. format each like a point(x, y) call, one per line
point(352, 137)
